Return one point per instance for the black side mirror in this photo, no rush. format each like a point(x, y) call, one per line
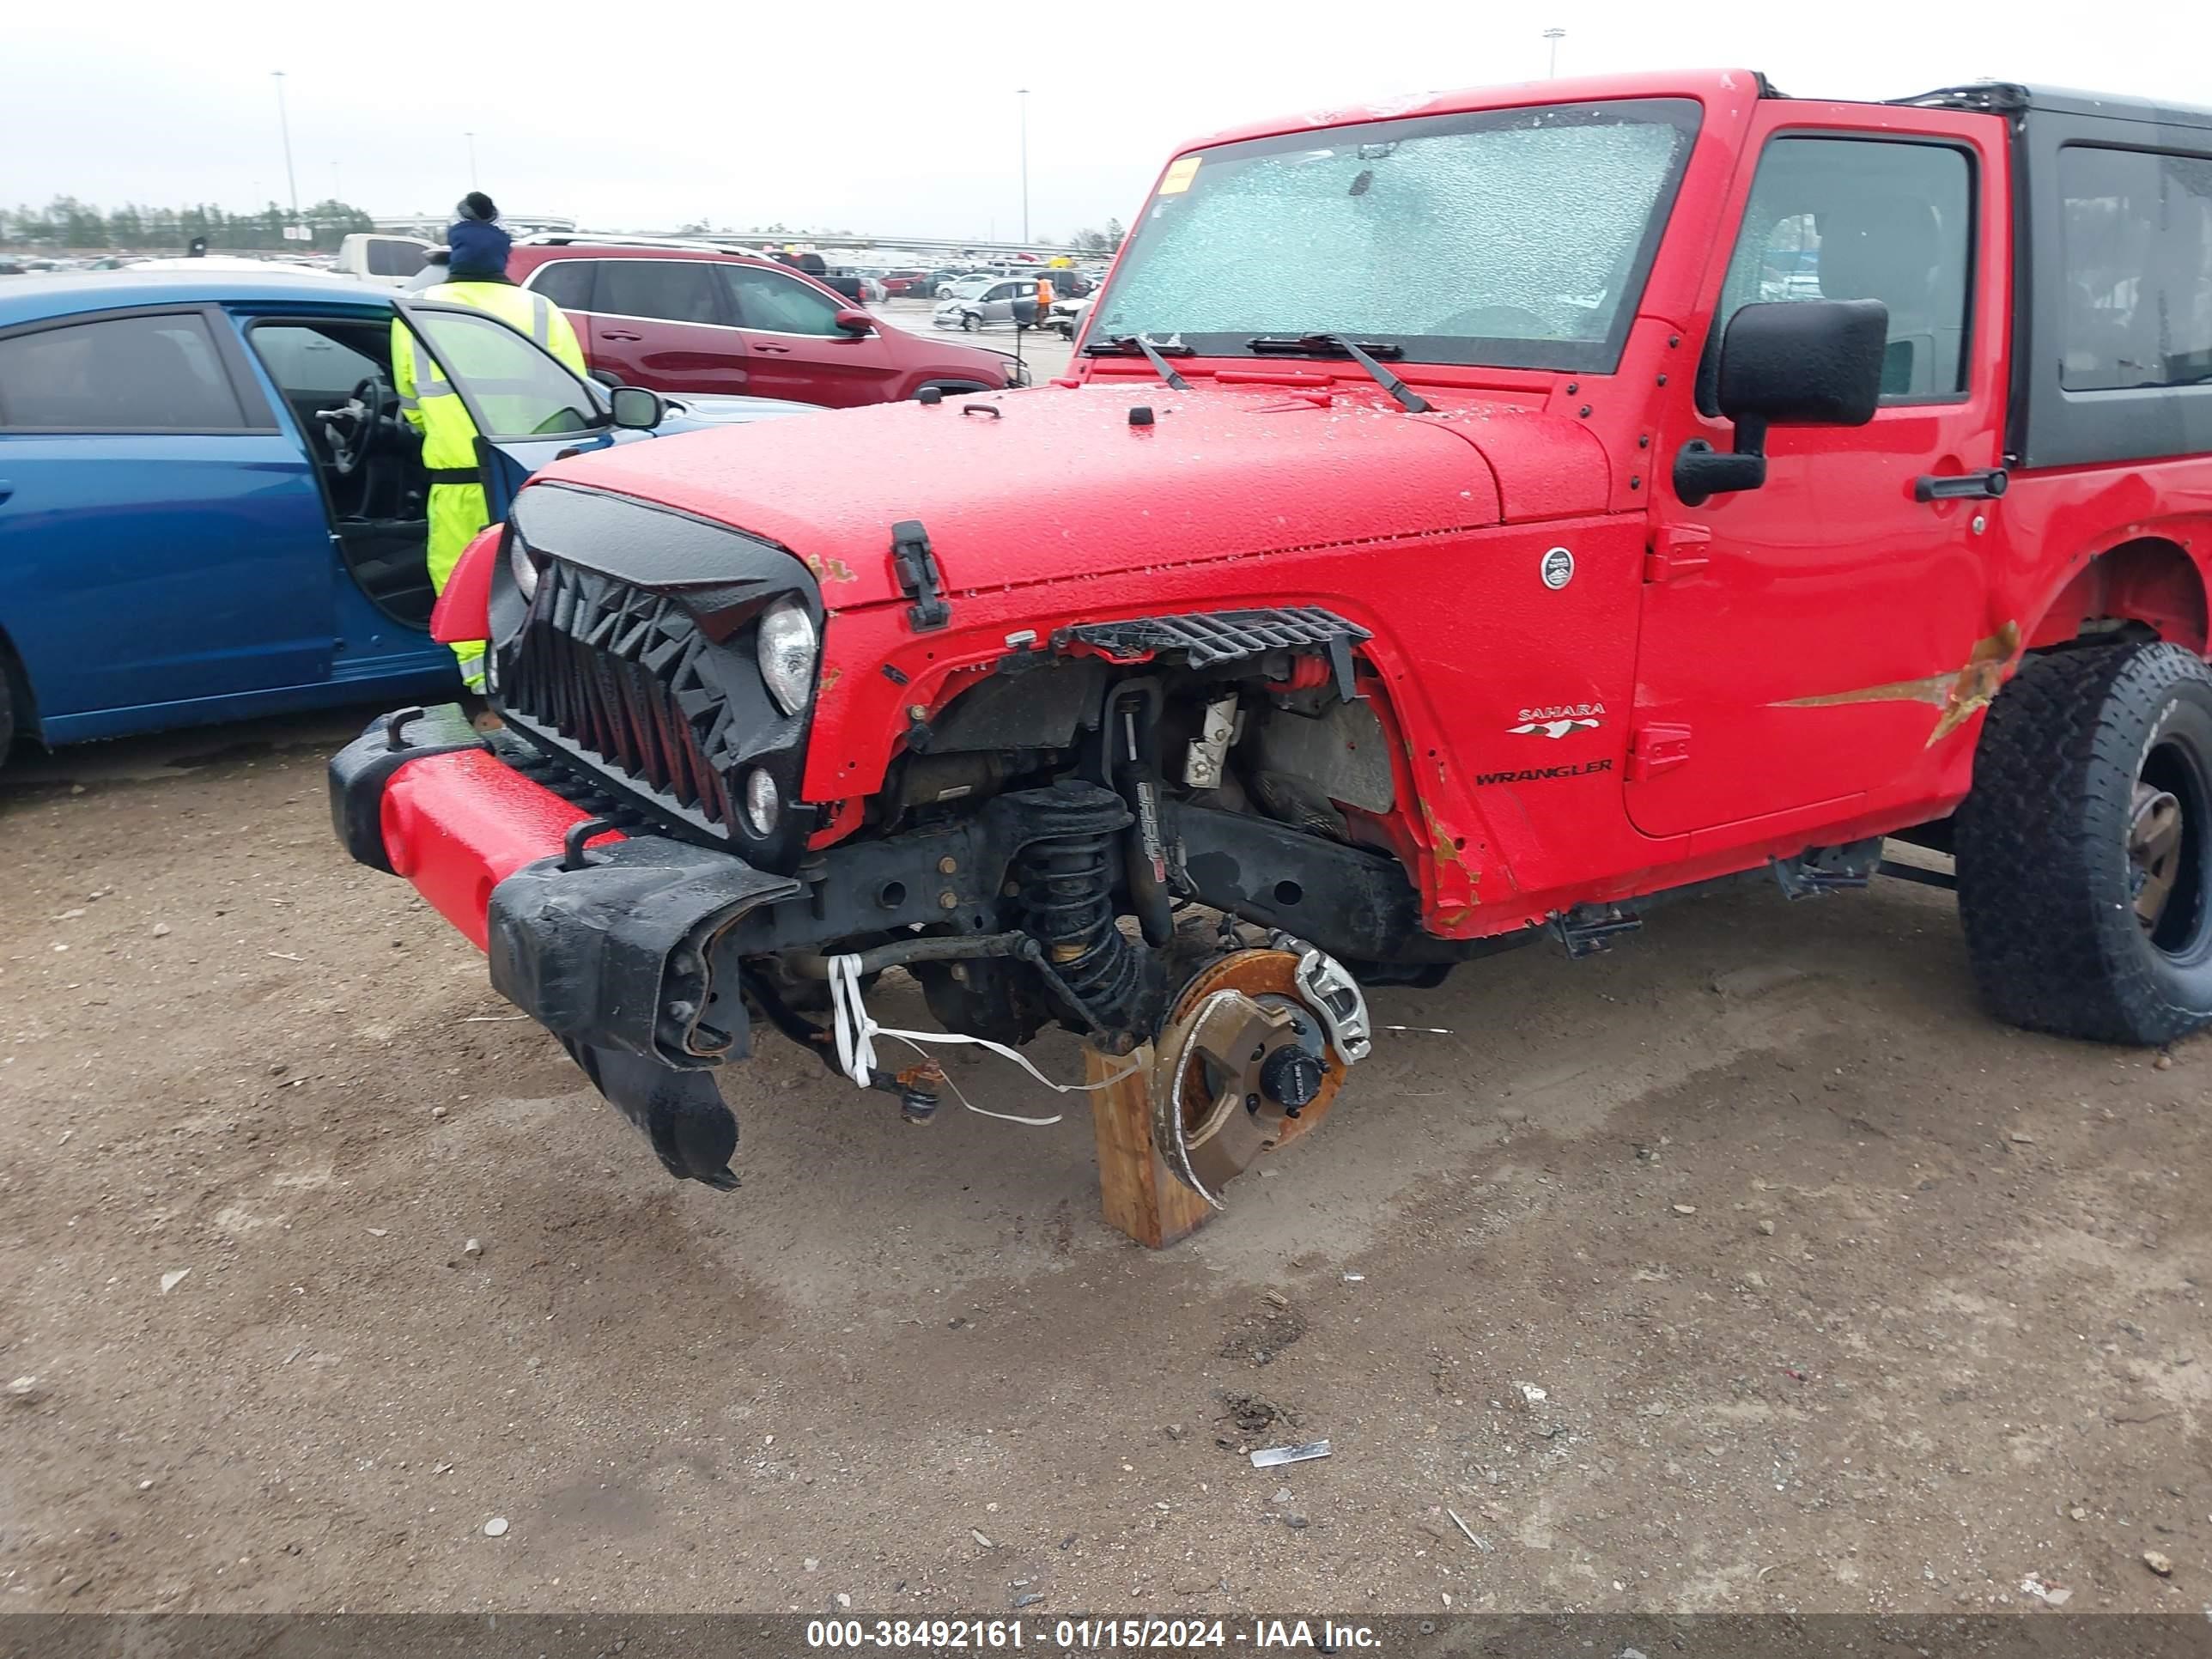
point(637, 408)
point(1792, 363)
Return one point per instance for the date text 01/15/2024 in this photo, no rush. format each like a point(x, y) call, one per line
point(1086, 1635)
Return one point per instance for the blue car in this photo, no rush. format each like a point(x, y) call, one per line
point(210, 507)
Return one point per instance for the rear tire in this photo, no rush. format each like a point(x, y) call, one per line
point(2085, 847)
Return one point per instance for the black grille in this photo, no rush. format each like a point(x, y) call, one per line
point(620, 679)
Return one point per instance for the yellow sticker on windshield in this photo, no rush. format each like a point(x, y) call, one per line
point(1178, 176)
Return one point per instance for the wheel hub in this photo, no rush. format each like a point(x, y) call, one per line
point(2153, 851)
point(1243, 1055)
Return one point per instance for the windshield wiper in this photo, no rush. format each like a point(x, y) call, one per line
point(1120, 345)
point(1335, 345)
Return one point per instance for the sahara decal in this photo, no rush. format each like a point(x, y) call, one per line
point(1557, 718)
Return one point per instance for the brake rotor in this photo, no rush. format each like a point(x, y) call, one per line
point(1242, 1057)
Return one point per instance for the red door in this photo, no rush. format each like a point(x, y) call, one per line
point(795, 348)
point(1817, 643)
point(665, 323)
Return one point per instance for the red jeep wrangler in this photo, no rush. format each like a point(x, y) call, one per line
point(1469, 521)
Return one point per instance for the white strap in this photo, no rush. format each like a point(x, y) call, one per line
point(856, 1031)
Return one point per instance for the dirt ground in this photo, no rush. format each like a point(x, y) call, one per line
point(1748, 1267)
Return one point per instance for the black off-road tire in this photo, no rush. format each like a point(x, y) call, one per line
point(2056, 843)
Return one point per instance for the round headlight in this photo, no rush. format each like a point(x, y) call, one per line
point(525, 568)
point(763, 806)
point(787, 647)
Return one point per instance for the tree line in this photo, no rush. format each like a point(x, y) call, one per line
point(66, 223)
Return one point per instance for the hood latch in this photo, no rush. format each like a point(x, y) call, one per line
point(919, 578)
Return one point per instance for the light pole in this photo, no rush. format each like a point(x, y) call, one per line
point(472, 138)
point(284, 126)
point(1555, 36)
point(1023, 92)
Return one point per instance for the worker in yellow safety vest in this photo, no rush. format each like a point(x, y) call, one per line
point(477, 268)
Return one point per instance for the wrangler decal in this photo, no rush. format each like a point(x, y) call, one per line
point(1542, 774)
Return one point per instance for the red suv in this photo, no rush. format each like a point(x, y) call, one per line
point(697, 320)
point(1709, 484)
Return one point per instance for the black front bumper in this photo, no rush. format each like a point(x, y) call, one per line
point(632, 952)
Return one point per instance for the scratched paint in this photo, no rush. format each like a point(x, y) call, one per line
point(1961, 693)
point(829, 570)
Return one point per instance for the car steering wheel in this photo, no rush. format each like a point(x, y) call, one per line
point(357, 426)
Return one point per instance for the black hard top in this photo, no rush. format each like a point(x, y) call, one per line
point(2011, 98)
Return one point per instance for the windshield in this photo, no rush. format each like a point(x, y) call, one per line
point(969, 287)
point(1514, 237)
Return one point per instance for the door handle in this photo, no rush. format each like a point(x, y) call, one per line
point(777, 350)
point(1986, 484)
point(616, 334)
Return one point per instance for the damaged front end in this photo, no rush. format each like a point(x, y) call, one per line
point(631, 850)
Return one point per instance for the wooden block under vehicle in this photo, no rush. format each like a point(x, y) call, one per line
point(1138, 1195)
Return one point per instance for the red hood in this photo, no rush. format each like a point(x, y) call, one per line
point(1053, 484)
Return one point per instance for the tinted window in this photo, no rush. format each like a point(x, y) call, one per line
point(565, 283)
point(304, 359)
point(770, 300)
point(521, 392)
point(672, 290)
point(390, 257)
point(1855, 219)
point(2137, 231)
point(127, 374)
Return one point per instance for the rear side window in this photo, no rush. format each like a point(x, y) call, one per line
point(565, 283)
point(390, 256)
point(122, 374)
point(2136, 229)
point(770, 300)
point(1866, 219)
point(667, 290)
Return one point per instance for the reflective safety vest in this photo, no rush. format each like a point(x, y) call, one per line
point(427, 398)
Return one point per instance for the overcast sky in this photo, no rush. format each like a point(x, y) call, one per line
point(888, 119)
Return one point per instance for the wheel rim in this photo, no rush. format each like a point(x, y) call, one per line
point(2167, 850)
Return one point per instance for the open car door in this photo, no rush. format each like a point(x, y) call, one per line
point(529, 409)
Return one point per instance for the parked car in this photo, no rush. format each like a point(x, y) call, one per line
point(685, 319)
point(382, 258)
point(871, 290)
point(209, 507)
point(984, 301)
point(900, 280)
point(1066, 319)
point(1583, 577)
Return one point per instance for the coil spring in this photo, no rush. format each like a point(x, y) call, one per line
point(1067, 901)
